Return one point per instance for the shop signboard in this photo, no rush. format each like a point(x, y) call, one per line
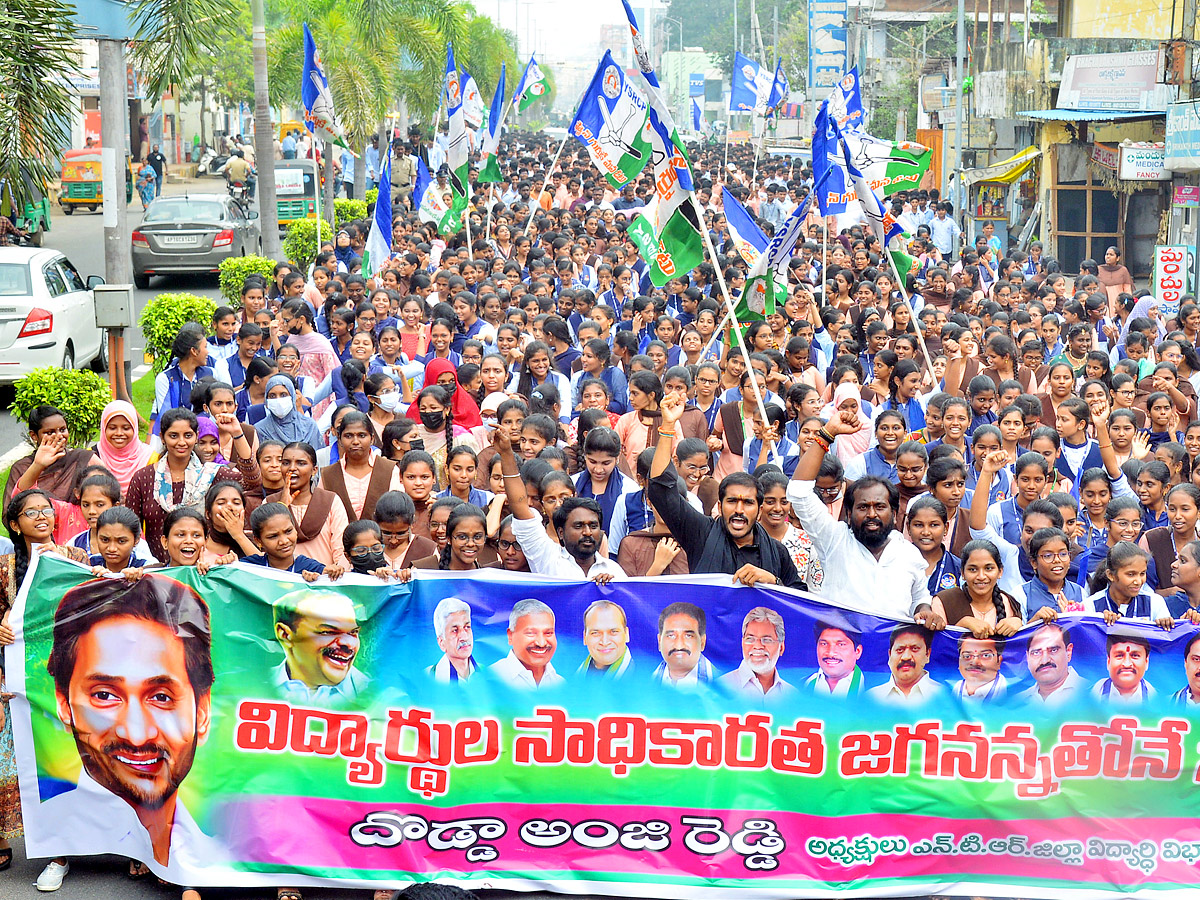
point(1186, 195)
point(1105, 155)
point(1174, 276)
point(1143, 162)
point(1116, 81)
point(1183, 137)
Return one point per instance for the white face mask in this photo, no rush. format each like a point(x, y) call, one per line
point(389, 400)
point(280, 406)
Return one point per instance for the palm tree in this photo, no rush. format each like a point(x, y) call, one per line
point(37, 55)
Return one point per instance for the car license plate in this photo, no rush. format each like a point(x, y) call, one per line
point(178, 240)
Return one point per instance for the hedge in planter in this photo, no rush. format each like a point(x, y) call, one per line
point(80, 394)
point(300, 245)
point(348, 210)
point(165, 315)
point(234, 271)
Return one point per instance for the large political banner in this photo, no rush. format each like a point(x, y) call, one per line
point(653, 738)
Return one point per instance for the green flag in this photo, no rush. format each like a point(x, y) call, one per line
point(533, 86)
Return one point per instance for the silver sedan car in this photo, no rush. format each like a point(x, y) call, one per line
point(192, 233)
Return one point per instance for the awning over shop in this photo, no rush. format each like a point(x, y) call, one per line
point(1086, 115)
point(1006, 171)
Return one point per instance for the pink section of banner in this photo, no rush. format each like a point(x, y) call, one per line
point(734, 844)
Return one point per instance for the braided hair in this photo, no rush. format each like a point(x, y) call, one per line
point(458, 514)
point(994, 552)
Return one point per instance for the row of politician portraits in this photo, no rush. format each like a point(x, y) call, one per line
point(132, 670)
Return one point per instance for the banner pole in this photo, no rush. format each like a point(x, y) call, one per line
point(908, 300)
point(545, 181)
point(730, 309)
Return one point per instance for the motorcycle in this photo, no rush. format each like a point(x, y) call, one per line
point(238, 191)
point(210, 162)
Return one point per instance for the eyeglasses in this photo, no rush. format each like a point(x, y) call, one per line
point(42, 512)
point(828, 491)
point(982, 656)
point(1052, 555)
point(750, 640)
point(507, 545)
point(1125, 523)
point(367, 551)
point(395, 534)
point(460, 537)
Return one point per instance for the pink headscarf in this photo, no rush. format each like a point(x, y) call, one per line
point(848, 446)
point(124, 462)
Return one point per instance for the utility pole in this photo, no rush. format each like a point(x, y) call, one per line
point(960, 65)
point(114, 139)
point(264, 146)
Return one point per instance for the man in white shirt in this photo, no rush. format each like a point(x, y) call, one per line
point(682, 634)
point(577, 521)
point(979, 664)
point(1049, 660)
point(532, 641)
point(1128, 658)
point(875, 564)
point(908, 655)
point(136, 640)
point(452, 625)
point(838, 652)
point(762, 645)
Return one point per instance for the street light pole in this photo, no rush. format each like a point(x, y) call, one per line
point(960, 63)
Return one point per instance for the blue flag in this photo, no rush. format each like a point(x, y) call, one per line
point(319, 115)
point(827, 171)
point(379, 241)
point(750, 86)
point(747, 237)
point(845, 103)
point(421, 185)
point(880, 219)
point(779, 87)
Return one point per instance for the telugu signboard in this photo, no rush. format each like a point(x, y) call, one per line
point(1183, 137)
point(1173, 276)
point(826, 45)
point(1114, 81)
point(1143, 162)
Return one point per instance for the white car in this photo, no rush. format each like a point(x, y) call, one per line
point(47, 314)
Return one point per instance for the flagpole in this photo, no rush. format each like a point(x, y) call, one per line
point(487, 233)
point(908, 301)
point(716, 334)
point(731, 311)
point(317, 200)
point(467, 221)
point(762, 139)
point(546, 181)
point(728, 125)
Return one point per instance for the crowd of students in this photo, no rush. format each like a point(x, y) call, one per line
point(1033, 428)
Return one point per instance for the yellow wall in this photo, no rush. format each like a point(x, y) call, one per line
point(1122, 18)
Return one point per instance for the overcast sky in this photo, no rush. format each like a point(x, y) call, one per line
point(563, 27)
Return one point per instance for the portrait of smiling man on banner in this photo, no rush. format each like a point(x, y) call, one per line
point(133, 675)
point(319, 634)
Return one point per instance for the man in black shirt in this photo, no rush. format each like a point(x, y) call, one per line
point(733, 542)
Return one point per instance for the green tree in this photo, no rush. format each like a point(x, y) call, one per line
point(225, 72)
point(710, 25)
point(911, 46)
point(37, 55)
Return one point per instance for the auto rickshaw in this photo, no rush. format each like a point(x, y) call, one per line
point(32, 213)
point(81, 180)
point(296, 186)
point(286, 128)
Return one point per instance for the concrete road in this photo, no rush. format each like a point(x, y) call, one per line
point(80, 237)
